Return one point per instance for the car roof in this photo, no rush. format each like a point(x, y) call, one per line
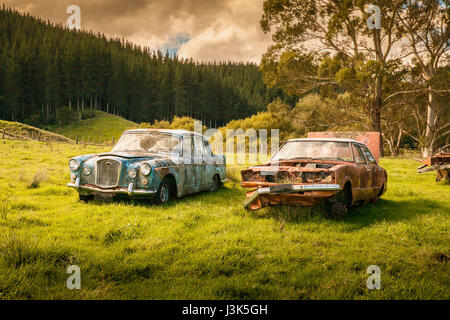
point(327, 140)
point(179, 132)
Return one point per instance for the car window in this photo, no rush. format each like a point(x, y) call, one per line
point(359, 155)
point(207, 147)
point(369, 156)
point(188, 147)
point(198, 146)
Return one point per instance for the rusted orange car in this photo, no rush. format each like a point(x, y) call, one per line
point(306, 172)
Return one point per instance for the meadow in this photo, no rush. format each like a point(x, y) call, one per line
point(206, 246)
point(100, 129)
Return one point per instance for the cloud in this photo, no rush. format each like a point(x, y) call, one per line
point(216, 29)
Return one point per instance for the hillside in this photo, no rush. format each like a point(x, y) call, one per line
point(115, 76)
point(102, 128)
point(16, 130)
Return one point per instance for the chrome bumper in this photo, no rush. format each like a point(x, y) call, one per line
point(129, 191)
point(289, 188)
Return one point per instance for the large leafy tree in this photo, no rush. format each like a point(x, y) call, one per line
point(307, 29)
point(425, 25)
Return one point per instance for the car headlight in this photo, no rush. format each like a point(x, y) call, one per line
point(74, 165)
point(146, 169)
point(87, 171)
point(132, 173)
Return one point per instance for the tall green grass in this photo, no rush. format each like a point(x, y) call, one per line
point(207, 246)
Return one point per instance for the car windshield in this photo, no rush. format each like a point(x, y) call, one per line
point(317, 150)
point(149, 142)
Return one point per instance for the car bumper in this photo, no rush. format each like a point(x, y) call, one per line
point(300, 195)
point(91, 189)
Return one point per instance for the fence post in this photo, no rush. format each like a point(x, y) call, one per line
point(76, 140)
point(113, 141)
point(4, 131)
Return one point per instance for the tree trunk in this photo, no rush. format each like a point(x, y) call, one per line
point(432, 117)
point(375, 111)
point(377, 102)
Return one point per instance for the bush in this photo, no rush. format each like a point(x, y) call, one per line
point(186, 123)
point(34, 120)
point(66, 116)
point(87, 114)
point(38, 178)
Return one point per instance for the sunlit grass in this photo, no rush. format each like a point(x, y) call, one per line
point(207, 246)
point(103, 128)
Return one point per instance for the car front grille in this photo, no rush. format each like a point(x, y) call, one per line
point(108, 172)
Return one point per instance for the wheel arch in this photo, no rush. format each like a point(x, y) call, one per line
point(174, 187)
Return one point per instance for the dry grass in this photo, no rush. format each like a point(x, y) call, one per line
point(39, 177)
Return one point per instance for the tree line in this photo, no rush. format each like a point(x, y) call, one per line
point(46, 70)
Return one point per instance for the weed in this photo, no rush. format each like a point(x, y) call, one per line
point(39, 177)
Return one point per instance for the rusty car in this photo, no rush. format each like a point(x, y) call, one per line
point(149, 163)
point(310, 171)
point(439, 161)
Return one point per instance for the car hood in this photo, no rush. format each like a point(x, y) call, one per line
point(136, 154)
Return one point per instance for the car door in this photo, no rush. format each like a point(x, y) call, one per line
point(209, 164)
point(362, 171)
point(192, 164)
point(372, 170)
point(199, 162)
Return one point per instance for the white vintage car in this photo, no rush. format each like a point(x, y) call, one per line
point(149, 163)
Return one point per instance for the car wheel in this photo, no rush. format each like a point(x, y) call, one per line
point(163, 193)
point(214, 184)
point(341, 204)
point(85, 198)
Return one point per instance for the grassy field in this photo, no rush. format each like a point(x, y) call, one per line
point(207, 247)
point(19, 130)
point(100, 129)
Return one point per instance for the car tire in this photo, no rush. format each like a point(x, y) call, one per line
point(214, 184)
point(85, 198)
point(341, 204)
point(163, 193)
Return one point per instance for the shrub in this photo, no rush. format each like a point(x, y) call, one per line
point(66, 116)
point(87, 114)
point(37, 179)
point(186, 123)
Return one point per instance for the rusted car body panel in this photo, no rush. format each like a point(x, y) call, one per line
point(439, 161)
point(191, 168)
point(370, 139)
point(308, 182)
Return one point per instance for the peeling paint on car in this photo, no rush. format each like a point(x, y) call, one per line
point(308, 182)
point(189, 176)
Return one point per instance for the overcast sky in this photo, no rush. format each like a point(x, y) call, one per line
point(205, 30)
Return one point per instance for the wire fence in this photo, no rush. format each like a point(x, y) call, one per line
point(13, 134)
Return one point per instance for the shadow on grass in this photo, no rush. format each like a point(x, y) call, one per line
point(358, 217)
point(223, 193)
